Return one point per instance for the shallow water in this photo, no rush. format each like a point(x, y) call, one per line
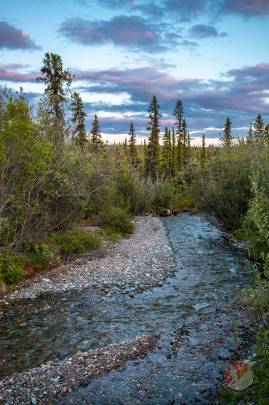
point(196, 305)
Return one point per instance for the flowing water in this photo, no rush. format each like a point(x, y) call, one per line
point(194, 311)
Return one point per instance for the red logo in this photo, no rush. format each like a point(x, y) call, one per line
point(239, 375)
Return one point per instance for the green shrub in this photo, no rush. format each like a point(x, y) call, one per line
point(41, 255)
point(74, 242)
point(116, 219)
point(11, 268)
point(165, 195)
point(111, 234)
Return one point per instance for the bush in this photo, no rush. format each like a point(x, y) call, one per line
point(165, 195)
point(41, 255)
point(111, 234)
point(116, 219)
point(11, 268)
point(75, 242)
point(224, 190)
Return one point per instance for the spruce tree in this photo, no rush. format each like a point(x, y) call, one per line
point(173, 152)
point(259, 128)
point(185, 142)
point(250, 135)
point(57, 81)
point(145, 154)
point(78, 119)
point(227, 137)
point(167, 153)
point(203, 151)
point(179, 113)
point(96, 137)
point(132, 146)
point(153, 149)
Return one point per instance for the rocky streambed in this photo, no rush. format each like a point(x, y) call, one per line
point(168, 292)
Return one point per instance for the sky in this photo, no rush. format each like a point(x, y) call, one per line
point(212, 54)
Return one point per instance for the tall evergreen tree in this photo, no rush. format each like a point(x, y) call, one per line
point(78, 119)
point(57, 81)
point(250, 135)
point(203, 151)
point(132, 146)
point(96, 137)
point(167, 153)
point(227, 136)
point(145, 154)
point(179, 113)
point(185, 142)
point(259, 128)
point(173, 152)
point(153, 149)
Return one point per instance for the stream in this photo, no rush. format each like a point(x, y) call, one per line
point(194, 312)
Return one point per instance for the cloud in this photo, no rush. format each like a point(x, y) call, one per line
point(13, 38)
point(140, 83)
point(187, 9)
point(9, 72)
point(126, 31)
point(124, 94)
point(258, 72)
point(201, 31)
point(208, 103)
point(246, 8)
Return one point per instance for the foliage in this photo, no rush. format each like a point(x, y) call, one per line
point(256, 223)
point(11, 268)
point(165, 195)
point(227, 137)
point(96, 137)
point(74, 242)
point(78, 119)
point(153, 149)
point(223, 190)
point(116, 219)
point(40, 254)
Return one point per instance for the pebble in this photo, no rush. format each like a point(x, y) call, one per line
point(137, 263)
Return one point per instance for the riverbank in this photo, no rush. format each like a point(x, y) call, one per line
point(194, 312)
point(142, 261)
point(54, 379)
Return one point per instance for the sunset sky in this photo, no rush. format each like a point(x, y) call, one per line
point(213, 54)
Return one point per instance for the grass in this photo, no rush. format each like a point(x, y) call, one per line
point(12, 268)
point(74, 242)
point(115, 221)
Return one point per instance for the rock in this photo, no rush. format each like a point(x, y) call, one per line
point(224, 354)
point(165, 212)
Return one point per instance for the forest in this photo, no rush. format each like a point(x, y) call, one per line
point(56, 176)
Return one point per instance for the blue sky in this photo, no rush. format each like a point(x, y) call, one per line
point(213, 54)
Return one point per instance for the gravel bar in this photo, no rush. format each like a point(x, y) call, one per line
point(142, 261)
point(52, 380)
